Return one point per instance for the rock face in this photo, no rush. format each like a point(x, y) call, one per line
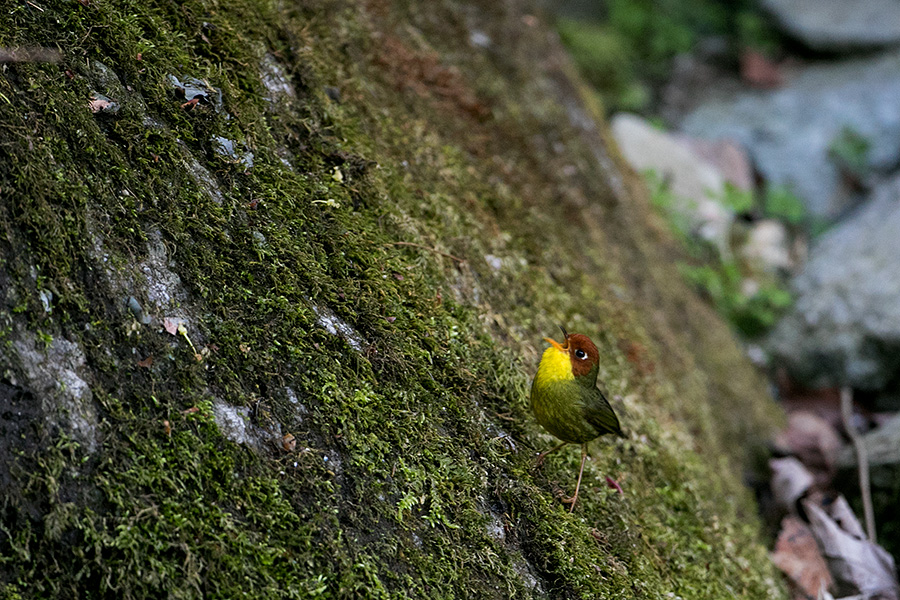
point(789, 131)
point(284, 377)
point(845, 326)
point(837, 25)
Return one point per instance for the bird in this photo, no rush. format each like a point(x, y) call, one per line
point(565, 399)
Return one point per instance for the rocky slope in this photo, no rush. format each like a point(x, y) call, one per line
point(273, 279)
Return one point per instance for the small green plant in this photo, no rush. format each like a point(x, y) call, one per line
point(754, 31)
point(752, 309)
point(738, 200)
point(782, 204)
point(664, 201)
point(661, 29)
point(626, 47)
point(606, 61)
point(751, 306)
point(45, 339)
point(850, 151)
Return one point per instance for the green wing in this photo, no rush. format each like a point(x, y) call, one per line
point(600, 414)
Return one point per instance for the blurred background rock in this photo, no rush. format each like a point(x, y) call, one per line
point(769, 137)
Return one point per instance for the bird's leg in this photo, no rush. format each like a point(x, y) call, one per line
point(540, 459)
point(577, 485)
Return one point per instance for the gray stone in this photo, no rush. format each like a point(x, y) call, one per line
point(191, 88)
point(137, 310)
point(164, 287)
point(845, 325)
point(101, 103)
point(789, 131)
point(767, 247)
point(107, 101)
point(228, 149)
point(839, 25)
point(55, 373)
point(202, 177)
point(696, 185)
point(234, 422)
point(337, 326)
point(275, 79)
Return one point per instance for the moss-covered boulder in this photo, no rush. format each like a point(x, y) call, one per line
point(273, 282)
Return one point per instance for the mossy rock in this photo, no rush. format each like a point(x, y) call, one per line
point(295, 363)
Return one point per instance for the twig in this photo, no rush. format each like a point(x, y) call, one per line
point(35, 54)
point(862, 460)
point(450, 256)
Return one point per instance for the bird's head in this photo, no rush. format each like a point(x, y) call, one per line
point(583, 356)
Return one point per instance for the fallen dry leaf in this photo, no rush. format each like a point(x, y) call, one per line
point(171, 325)
point(842, 514)
point(797, 556)
point(146, 363)
point(790, 481)
point(814, 441)
point(727, 156)
point(98, 104)
point(824, 402)
point(857, 565)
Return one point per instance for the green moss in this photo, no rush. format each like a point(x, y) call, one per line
point(605, 59)
point(411, 471)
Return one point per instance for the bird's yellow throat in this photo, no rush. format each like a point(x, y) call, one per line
point(555, 366)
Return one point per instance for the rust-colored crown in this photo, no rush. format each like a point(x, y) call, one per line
point(582, 352)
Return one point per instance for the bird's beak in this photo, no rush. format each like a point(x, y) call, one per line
point(556, 344)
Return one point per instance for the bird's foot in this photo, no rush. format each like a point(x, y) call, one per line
point(570, 500)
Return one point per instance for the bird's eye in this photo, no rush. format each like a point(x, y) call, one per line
point(580, 354)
